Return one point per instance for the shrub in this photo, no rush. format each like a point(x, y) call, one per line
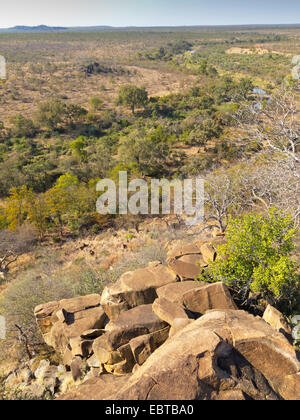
point(256, 258)
point(23, 295)
point(96, 103)
point(132, 96)
point(22, 127)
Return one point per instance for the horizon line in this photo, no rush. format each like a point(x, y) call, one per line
point(152, 26)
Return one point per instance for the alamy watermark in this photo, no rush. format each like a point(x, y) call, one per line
point(2, 328)
point(158, 197)
point(2, 67)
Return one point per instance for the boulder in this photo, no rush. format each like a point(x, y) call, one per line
point(135, 288)
point(114, 350)
point(81, 347)
point(208, 253)
point(275, 318)
point(186, 270)
point(174, 292)
point(137, 321)
point(289, 387)
point(143, 346)
point(168, 311)
point(69, 318)
point(224, 354)
point(207, 297)
point(93, 362)
point(187, 261)
point(96, 389)
point(77, 368)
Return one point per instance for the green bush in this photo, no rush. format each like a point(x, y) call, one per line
point(96, 103)
point(257, 258)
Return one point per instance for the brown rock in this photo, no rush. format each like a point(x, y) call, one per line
point(81, 347)
point(77, 368)
point(104, 353)
point(69, 318)
point(208, 253)
point(178, 325)
point(168, 311)
point(96, 389)
point(133, 323)
point(174, 292)
point(126, 365)
point(289, 387)
point(275, 318)
point(142, 347)
point(135, 288)
point(67, 357)
point(43, 316)
point(93, 362)
point(202, 362)
point(189, 260)
point(190, 249)
point(225, 354)
point(211, 296)
point(185, 270)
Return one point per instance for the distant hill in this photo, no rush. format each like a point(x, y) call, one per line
point(40, 28)
point(45, 28)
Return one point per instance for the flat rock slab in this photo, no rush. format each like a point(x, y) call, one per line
point(210, 296)
point(188, 261)
point(96, 389)
point(168, 311)
point(69, 318)
point(174, 292)
point(186, 270)
point(135, 288)
point(133, 323)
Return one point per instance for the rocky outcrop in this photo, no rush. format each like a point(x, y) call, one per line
point(69, 318)
point(189, 261)
point(208, 296)
point(130, 340)
point(224, 355)
point(150, 336)
point(135, 288)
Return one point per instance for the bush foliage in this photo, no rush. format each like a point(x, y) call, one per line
point(257, 258)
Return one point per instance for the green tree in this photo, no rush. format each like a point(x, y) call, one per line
point(22, 127)
point(132, 97)
point(257, 258)
point(16, 206)
point(50, 114)
point(77, 146)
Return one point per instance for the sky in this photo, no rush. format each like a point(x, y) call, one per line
point(147, 12)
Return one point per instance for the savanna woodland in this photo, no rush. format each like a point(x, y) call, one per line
point(220, 104)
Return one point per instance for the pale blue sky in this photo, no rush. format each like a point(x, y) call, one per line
point(147, 12)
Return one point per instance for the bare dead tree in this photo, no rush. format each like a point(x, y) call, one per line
point(274, 125)
point(14, 244)
point(271, 185)
point(222, 198)
point(23, 339)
